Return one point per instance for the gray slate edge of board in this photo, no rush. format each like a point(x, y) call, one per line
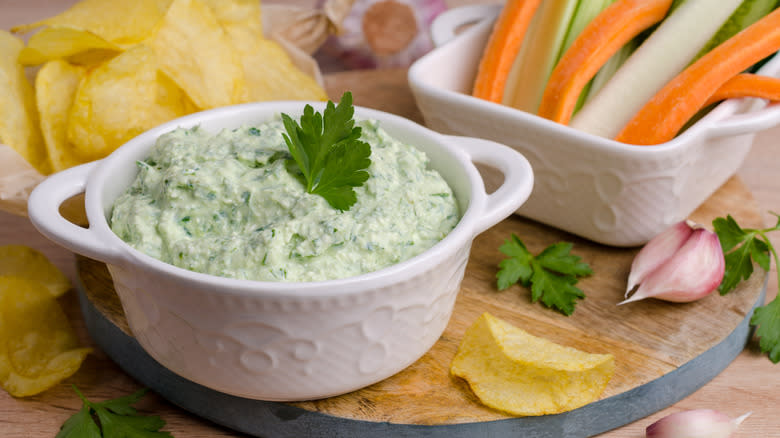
point(266, 419)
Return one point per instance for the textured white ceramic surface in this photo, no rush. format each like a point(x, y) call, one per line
point(606, 191)
point(286, 341)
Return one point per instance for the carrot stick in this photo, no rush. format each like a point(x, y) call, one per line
point(747, 85)
point(605, 35)
point(666, 113)
point(502, 48)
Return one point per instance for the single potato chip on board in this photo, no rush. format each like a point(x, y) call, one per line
point(59, 42)
point(55, 89)
point(18, 116)
point(124, 23)
point(119, 100)
point(196, 53)
point(38, 347)
point(23, 261)
point(513, 371)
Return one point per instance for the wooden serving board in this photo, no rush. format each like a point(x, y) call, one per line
point(663, 351)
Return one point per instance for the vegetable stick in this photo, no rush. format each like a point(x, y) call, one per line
point(605, 35)
point(533, 64)
point(747, 85)
point(746, 14)
point(502, 48)
point(585, 13)
point(606, 71)
point(666, 113)
point(662, 56)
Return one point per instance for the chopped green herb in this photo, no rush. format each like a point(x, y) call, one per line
point(327, 155)
point(741, 247)
point(551, 275)
point(116, 418)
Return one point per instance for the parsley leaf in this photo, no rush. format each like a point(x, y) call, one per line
point(767, 320)
point(80, 425)
point(327, 155)
point(551, 275)
point(117, 419)
point(741, 248)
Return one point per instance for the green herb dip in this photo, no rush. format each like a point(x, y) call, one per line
point(225, 205)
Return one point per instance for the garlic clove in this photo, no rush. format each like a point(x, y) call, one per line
point(693, 272)
point(657, 251)
point(697, 423)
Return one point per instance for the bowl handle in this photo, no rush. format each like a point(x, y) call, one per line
point(446, 25)
point(518, 177)
point(747, 123)
point(43, 207)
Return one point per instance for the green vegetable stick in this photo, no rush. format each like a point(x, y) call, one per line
point(746, 14)
point(536, 60)
point(662, 56)
point(585, 13)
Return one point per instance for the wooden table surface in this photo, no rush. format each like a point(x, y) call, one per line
point(750, 383)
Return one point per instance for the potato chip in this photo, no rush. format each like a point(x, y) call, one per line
point(515, 372)
point(124, 23)
point(18, 116)
point(271, 75)
point(26, 262)
point(55, 90)
point(269, 72)
point(38, 347)
point(194, 51)
point(120, 99)
point(238, 16)
point(63, 42)
point(171, 99)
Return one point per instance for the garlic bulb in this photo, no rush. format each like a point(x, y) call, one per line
point(381, 34)
point(698, 423)
point(657, 251)
point(682, 264)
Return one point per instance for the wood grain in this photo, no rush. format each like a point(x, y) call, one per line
point(100, 378)
point(749, 384)
point(649, 339)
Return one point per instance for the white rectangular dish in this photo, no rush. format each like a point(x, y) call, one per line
point(610, 192)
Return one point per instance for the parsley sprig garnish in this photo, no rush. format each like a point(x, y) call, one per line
point(741, 247)
point(116, 418)
point(328, 157)
point(551, 275)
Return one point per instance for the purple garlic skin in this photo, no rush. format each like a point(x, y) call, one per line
point(657, 251)
point(678, 272)
point(697, 423)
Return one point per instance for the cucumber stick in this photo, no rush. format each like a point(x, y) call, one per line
point(585, 13)
point(536, 59)
point(606, 72)
point(663, 55)
point(746, 14)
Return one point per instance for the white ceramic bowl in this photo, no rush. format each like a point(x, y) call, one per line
point(285, 341)
point(600, 189)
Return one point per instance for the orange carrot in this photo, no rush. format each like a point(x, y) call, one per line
point(747, 85)
point(605, 35)
point(502, 48)
point(661, 118)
